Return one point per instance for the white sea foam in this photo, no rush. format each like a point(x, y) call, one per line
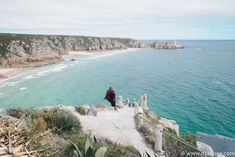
point(29, 77)
point(59, 68)
point(52, 70)
point(23, 88)
point(71, 65)
point(42, 73)
point(110, 53)
point(10, 84)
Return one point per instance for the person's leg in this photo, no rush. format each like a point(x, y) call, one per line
point(113, 103)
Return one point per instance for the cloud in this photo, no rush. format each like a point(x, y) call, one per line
point(124, 18)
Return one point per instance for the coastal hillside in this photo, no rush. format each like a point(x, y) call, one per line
point(69, 132)
point(19, 50)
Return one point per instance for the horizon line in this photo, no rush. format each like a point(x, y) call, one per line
point(19, 33)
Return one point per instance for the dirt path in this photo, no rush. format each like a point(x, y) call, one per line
point(116, 126)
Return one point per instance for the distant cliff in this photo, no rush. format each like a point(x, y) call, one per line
point(18, 50)
point(167, 44)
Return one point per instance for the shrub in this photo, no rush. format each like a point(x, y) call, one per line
point(19, 112)
point(170, 131)
point(82, 141)
point(175, 148)
point(84, 147)
point(61, 121)
point(80, 110)
point(148, 135)
point(79, 140)
point(117, 150)
point(39, 125)
point(114, 150)
point(190, 138)
point(152, 117)
point(132, 151)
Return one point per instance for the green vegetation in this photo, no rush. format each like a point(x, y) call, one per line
point(77, 139)
point(146, 129)
point(82, 143)
point(19, 112)
point(174, 147)
point(152, 117)
point(38, 125)
point(61, 121)
point(190, 138)
point(148, 134)
point(91, 149)
point(7, 37)
point(117, 150)
point(58, 120)
point(55, 132)
point(171, 146)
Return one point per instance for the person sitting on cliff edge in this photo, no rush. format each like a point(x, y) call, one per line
point(111, 97)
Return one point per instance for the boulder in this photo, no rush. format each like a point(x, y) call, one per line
point(92, 111)
point(204, 148)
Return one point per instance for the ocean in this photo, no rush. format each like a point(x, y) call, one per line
point(194, 86)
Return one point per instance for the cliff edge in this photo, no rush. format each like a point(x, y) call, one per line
point(19, 50)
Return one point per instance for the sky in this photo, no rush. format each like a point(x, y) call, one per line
point(138, 19)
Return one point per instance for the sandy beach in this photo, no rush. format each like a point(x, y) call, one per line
point(98, 54)
point(7, 73)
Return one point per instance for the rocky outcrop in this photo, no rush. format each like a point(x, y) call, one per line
point(35, 50)
point(206, 149)
point(168, 123)
point(167, 44)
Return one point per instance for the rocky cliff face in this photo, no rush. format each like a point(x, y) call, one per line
point(35, 50)
point(166, 44)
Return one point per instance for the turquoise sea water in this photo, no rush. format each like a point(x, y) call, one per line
point(195, 86)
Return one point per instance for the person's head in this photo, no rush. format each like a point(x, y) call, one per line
point(110, 88)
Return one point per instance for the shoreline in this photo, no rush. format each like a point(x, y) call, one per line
point(8, 73)
point(98, 54)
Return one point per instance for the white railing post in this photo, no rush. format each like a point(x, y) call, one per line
point(134, 102)
point(158, 141)
point(127, 102)
point(120, 103)
point(139, 110)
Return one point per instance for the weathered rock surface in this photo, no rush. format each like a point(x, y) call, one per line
point(169, 124)
point(167, 44)
point(206, 149)
point(17, 50)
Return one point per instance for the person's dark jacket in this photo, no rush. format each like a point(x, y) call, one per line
point(110, 95)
